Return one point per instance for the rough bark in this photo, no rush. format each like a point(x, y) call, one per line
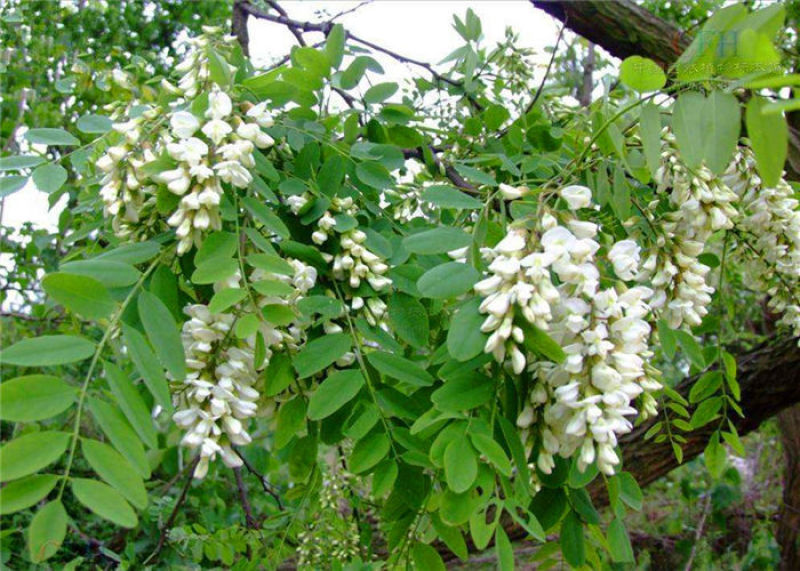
point(621, 27)
point(788, 526)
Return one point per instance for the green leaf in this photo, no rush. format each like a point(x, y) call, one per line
point(217, 245)
point(270, 263)
point(375, 175)
point(722, 125)
point(463, 393)
point(669, 342)
point(769, 138)
point(49, 178)
point(34, 397)
point(400, 368)
point(131, 404)
point(47, 350)
point(262, 213)
point(692, 349)
point(116, 470)
point(214, 270)
point(427, 558)
point(148, 366)
point(368, 452)
point(321, 353)
point(226, 298)
point(47, 531)
point(81, 294)
point(475, 175)
point(455, 509)
point(21, 494)
point(504, 550)
point(107, 272)
point(380, 92)
point(715, 457)
point(707, 128)
point(30, 453)
point(409, 319)
point(619, 543)
point(11, 184)
point(447, 280)
point(94, 124)
point(581, 502)
point(494, 453)
point(451, 536)
point(18, 162)
point(705, 386)
point(437, 241)
point(572, 540)
point(279, 374)
point(445, 196)
point(271, 288)
point(334, 45)
point(121, 435)
point(291, 419)
point(641, 74)
point(465, 339)
point(218, 70)
point(460, 465)
point(336, 390)
point(383, 477)
point(104, 501)
point(57, 137)
point(540, 342)
point(706, 412)
point(650, 131)
point(163, 334)
point(137, 253)
point(629, 491)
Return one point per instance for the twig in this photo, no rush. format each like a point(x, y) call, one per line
point(248, 510)
point(167, 526)
point(325, 28)
point(294, 29)
point(261, 478)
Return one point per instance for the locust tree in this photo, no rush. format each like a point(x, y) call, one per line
point(309, 315)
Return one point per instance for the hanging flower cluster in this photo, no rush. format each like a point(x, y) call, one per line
point(770, 229)
point(582, 403)
point(217, 397)
point(192, 151)
point(702, 205)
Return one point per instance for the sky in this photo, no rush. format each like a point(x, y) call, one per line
point(419, 29)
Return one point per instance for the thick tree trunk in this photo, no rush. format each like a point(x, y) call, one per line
point(621, 27)
point(788, 527)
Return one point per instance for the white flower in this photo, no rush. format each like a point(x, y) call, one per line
point(216, 130)
point(513, 192)
point(219, 105)
point(184, 124)
point(234, 173)
point(261, 115)
point(624, 255)
point(576, 196)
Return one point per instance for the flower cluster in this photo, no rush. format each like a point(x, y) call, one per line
point(702, 205)
point(217, 394)
point(327, 223)
point(203, 147)
point(217, 397)
point(582, 403)
point(355, 263)
point(520, 280)
point(770, 229)
point(333, 534)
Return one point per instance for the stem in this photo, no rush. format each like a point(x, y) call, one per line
point(112, 326)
